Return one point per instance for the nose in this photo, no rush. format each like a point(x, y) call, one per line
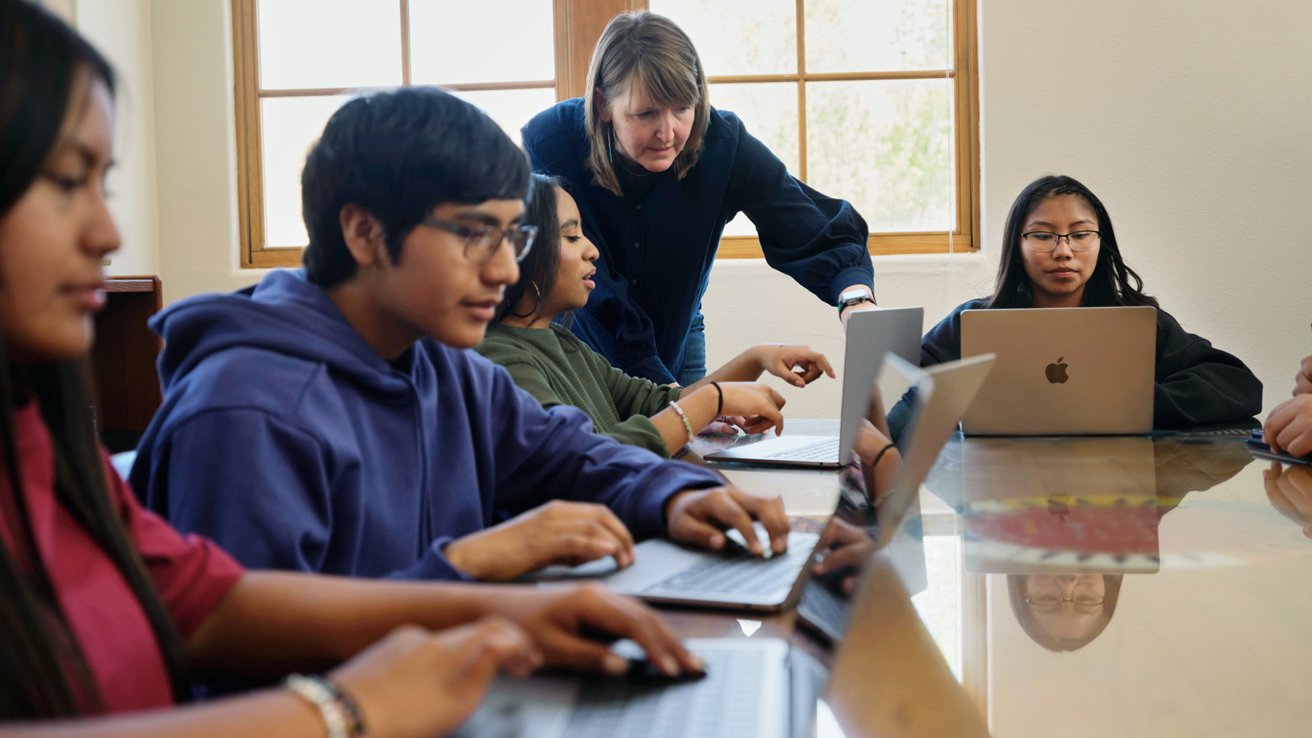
point(502, 268)
point(590, 252)
point(100, 236)
point(666, 130)
point(1063, 248)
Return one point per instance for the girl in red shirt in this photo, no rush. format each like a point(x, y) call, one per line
point(104, 609)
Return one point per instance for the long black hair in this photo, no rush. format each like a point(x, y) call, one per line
point(538, 270)
point(43, 672)
point(1112, 282)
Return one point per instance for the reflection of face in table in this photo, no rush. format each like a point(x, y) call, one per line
point(1087, 603)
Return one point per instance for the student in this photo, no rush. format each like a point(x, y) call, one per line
point(104, 609)
point(557, 368)
point(333, 421)
point(1059, 250)
point(657, 173)
point(1289, 426)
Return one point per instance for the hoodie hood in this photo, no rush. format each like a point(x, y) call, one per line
point(283, 314)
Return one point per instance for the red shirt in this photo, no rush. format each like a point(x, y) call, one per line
point(190, 573)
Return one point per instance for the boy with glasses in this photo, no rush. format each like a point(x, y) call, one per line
point(333, 420)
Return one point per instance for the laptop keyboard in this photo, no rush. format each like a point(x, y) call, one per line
point(820, 451)
point(738, 575)
point(715, 706)
point(824, 609)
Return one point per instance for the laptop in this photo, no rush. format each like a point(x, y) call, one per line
point(757, 687)
point(870, 333)
point(1063, 371)
point(943, 392)
point(668, 573)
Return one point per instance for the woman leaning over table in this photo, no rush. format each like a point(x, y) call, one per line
point(657, 173)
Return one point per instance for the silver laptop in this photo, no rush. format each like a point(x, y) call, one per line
point(870, 333)
point(1063, 371)
point(666, 572)
point(943, 392)
point(754, 686)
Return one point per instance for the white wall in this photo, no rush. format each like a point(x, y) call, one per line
point(121, 29)
point(1190, 120)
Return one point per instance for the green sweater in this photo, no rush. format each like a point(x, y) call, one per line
point(559, 369)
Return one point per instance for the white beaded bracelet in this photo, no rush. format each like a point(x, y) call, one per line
point(339, 714)
point(687, 426)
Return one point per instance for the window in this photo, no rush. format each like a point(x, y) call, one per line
point(872, 101)
point(869, 100)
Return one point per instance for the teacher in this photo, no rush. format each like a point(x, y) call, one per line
point(657, 173)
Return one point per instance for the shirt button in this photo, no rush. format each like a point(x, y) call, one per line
point(638, 206)
point(637, 244)
point(633, 282)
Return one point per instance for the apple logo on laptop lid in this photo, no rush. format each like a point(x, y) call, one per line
point(1056, 371)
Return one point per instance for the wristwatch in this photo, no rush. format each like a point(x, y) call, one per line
point(853, 296)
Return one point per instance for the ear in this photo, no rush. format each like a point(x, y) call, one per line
point(363, 235)
point(599, 100)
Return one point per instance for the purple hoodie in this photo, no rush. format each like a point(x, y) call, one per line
point(285, 438)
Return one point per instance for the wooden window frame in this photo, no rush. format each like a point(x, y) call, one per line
point(577, 26)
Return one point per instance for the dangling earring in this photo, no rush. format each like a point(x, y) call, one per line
point(537, 300)
point(610, 144)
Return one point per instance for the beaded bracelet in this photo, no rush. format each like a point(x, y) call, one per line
point(687, 426)
point(341, 716)
point(719, 401)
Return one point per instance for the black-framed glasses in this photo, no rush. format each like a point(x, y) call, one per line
point(482, 242)
point(1051, 595)
point(1046, 241)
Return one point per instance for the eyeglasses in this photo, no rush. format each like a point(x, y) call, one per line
point(482, 242)
point(1046, 241)
point(1050, 595)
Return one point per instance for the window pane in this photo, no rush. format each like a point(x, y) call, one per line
point(502, 41)
point(886, 147)
point(878, 35)
point(738, 36)
point(511, 109)
point(769, 111)
point(329, 43)
point(289, 125)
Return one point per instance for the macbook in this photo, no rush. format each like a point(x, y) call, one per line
point(1063, 371)
point(943, 392)
point(753, 686)
point(870, 333)
point(666, 572)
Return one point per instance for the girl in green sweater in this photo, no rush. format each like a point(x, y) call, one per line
point(558, 369)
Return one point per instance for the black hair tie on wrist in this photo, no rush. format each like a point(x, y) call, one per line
point(719, 401)
point(881, 453)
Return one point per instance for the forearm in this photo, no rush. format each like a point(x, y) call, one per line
point(271, 712)
point(698, 404)
point(745, 367)
point(272, 623)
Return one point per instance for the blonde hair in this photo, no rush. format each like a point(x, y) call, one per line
point(650, 50)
